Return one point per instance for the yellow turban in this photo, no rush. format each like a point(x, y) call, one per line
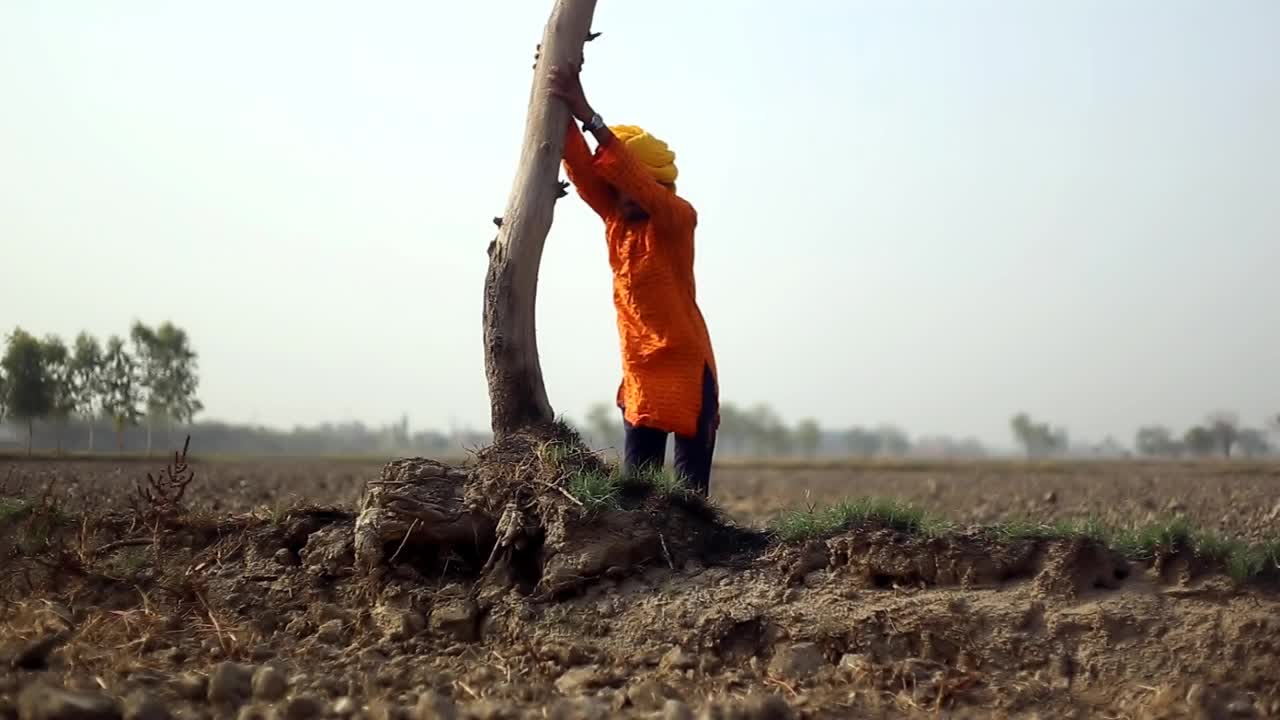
point(650, 151)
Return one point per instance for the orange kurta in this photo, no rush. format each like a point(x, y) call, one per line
point(665, 344)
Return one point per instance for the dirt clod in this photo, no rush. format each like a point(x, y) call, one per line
point(331, 632)
point(434, 706)
point(649, 695)
point(581, 680)
point(230, 684)
point(578, 709)
point(192, 686)
point(457, 619)
point(766, 707)
point(300, 707)
point(490, 710)
point(41, 702)
point(676, 710)
point(678, 659)
point(143, 706)
point(269, 684)
point(256, 712)
point(797, 662)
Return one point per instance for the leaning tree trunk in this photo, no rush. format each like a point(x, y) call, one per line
point(517, 395)
point(509, 517)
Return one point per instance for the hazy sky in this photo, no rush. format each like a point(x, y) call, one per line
point(931, 213)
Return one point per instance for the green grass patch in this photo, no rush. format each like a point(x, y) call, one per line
point(810, 523)
point(663, 481)
point(14, 508)
point(1144, 543)
point(596, 490)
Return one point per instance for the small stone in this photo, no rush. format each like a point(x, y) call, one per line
point(40, 702)
point(230, 684)
point(302, 707)
point(269, 684)
point(456, 619)
point(434, 706)
point(1051, 497)
point(285, 557)
point(192, 686)
point(676, 710)
point(677, 659)
point(141, 706)
point(345, 707)
point(797, 662)
point(649, 695)
point(579, 680)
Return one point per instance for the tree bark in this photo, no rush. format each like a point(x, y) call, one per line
point(517, 394)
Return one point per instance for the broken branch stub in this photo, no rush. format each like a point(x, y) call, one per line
point(517, 394)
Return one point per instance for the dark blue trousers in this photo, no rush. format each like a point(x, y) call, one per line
point(647, 447)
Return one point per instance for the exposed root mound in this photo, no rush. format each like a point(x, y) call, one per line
point(887, 558)
point(511, 520)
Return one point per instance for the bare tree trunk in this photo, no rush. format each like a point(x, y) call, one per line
point(517, 395)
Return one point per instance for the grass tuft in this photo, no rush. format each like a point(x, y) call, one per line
point(596, 490)
point(663, 481)
point(812, 523)
point(14, 508)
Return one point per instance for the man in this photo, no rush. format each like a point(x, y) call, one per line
point(669, 380)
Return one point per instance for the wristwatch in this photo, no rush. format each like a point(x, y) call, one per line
point(595, 123)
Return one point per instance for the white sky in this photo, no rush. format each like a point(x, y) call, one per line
point(929, 212)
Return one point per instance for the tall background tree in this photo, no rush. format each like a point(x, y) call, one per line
point(1225, 428)
point(1038, 439)
point(122, 392)
point(808, 435)
point(29, 393)
point(86, 380)
point(604, 426)
point(57, 367)
point(1156, 441)
point(167, 372)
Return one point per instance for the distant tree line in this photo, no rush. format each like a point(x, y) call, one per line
point(152, 377)
point(55, 390)
point(1220, 435)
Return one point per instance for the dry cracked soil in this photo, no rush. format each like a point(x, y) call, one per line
point(249, 605)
